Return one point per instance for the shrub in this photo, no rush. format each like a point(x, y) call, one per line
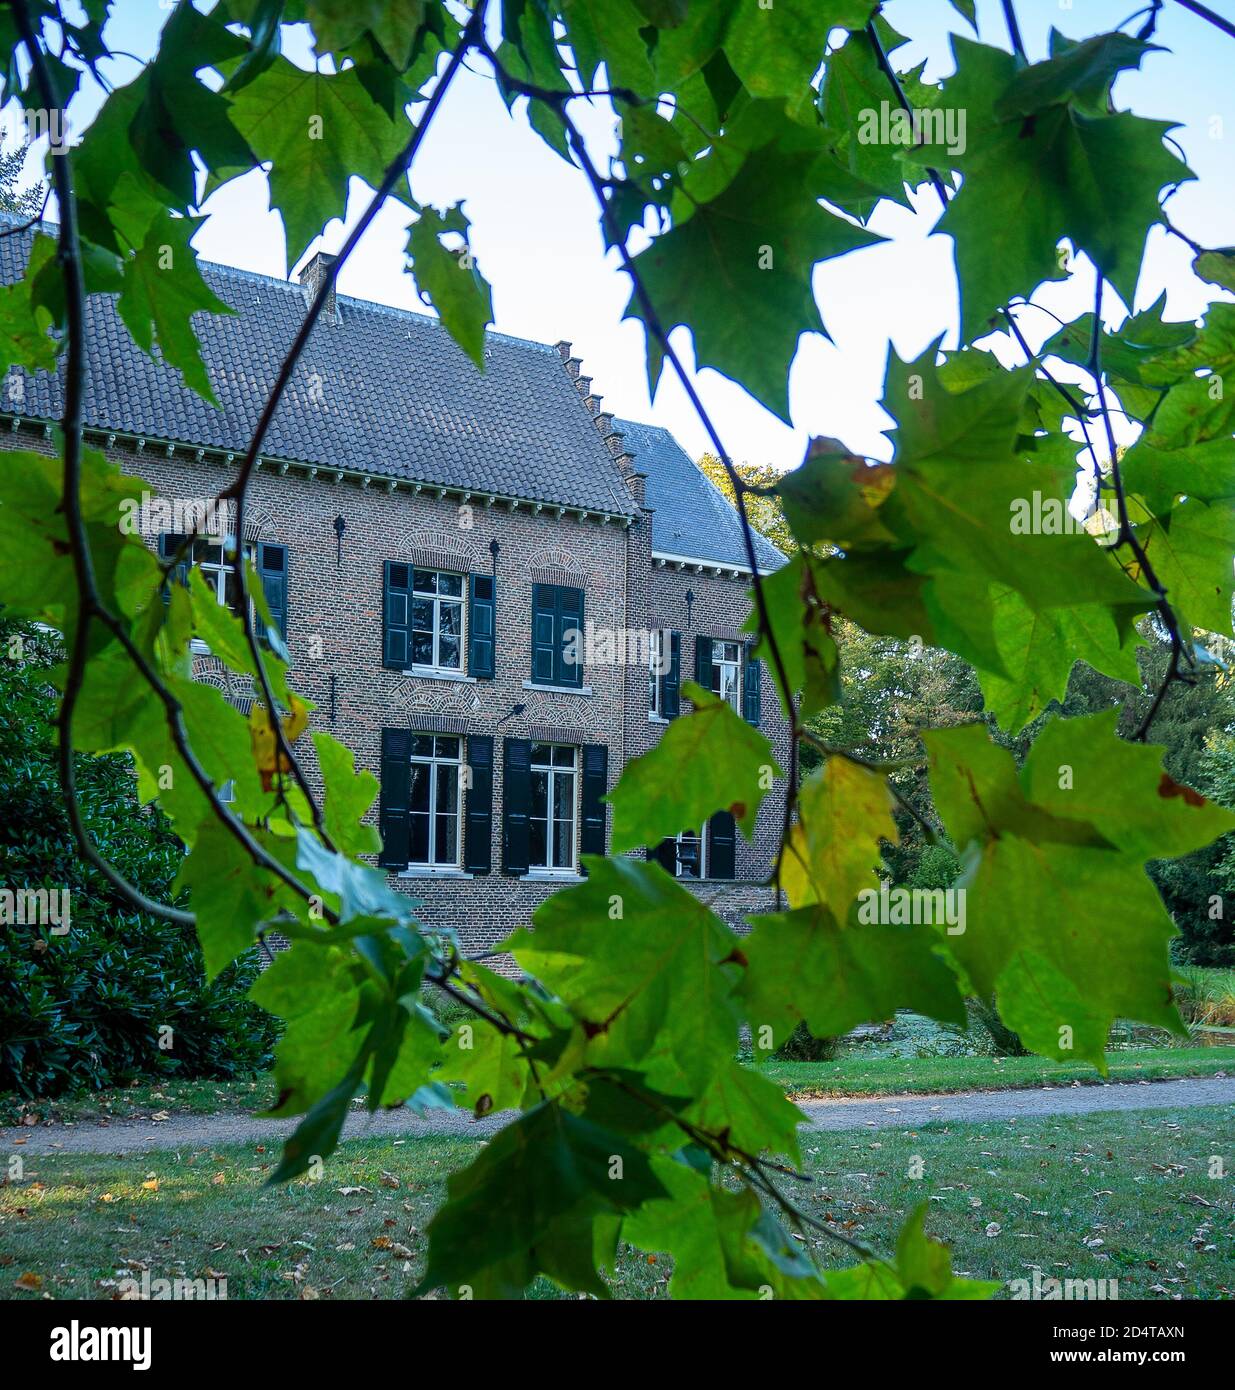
point(88, 1009)
point(985, 1022)
point(802, 1046)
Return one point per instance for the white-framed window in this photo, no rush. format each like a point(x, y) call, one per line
point(215, 559)
point(654, 669)
point(437, 620)
point(690, 853)
point(434, 803)
point(727, 672)
point(554, 820)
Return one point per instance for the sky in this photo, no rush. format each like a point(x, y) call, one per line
point(536, 238)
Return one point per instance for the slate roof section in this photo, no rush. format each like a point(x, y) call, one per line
point(692, 517)
point(382, 391)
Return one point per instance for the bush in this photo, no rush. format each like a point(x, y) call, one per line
point(802, 1046)
point(87, 1009)
point(1206, 997)
point(985, 1022)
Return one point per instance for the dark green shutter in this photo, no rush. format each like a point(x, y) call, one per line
point(666, 855)
point(169, 543)
point(570, 618)
point(396, 616)
point(396, 790)
point(478, 827)
point(703, 662)
point(516, 804)
point(752, 691)
point(721, 845)
point(556, 611)
point(544, 633)
point(595, 785)
point(272, 571)
point(671, 681)
point(481, 615)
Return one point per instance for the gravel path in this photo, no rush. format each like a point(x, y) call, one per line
point(884, 1112)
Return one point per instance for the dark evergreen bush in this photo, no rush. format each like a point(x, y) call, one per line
point(88, 1009)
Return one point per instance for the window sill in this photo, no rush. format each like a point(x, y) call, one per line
point(553, 876)
point(558, 689)
point(433, 673)
point(656, 718)
point(198, 647)
point(430, 871)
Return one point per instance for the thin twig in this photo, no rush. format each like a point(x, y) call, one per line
point(1014, 31)
point(1127, 533)
point(1204, 12)
point(894, 81)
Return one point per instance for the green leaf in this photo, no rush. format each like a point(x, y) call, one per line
point(450, 281)
point(1037, 651)
point(317, 132)
point(854, 86)
point(925, 1267)
point(777, 49)
point(318, 1133)
point(1218, 267)
point(805, 967)
point(724, 1246)
point(1051, 846)
point(707, 761)
point(176, 113)
point(25, 326)
point(844, 815)
point(313, 988)
point(1190, 549)
point(229, 898)
point(354, 890)
point(568, 1172)
point(1205, 472)
point(162, 290)
point(1081, 73)
point(749, 1111)
point(643, 965)
point(738, 271)
point(802, 627)
point(1093, 178)
point(349, 795)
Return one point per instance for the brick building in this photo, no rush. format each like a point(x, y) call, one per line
point(433, 542)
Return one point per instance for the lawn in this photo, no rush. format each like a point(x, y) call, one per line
point(1124, 1196)
point(860, 1071)
point(857, 1073)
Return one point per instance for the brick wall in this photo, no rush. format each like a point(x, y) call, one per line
point(335, 638)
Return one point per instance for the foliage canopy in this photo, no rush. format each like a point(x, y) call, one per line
point(742, 143)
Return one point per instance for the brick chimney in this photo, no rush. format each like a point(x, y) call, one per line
point(311, 278)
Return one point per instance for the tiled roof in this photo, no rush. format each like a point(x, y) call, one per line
point(382, 391)
point(692, 519)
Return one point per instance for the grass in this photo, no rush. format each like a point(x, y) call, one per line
point(857, 1074)
point(141, 1101)
point(1111, 1195)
